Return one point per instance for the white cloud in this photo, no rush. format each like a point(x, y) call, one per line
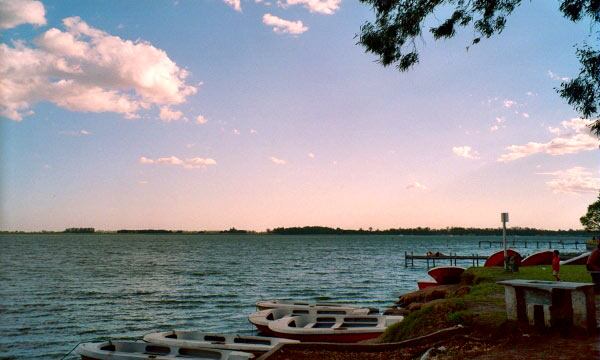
point(235, 132)
point(574, 180)
point(235, 4)
point(509, 103)
point(525, 115)
point(168, 115)
point(253, 132)
point(553, 76)
point(82, 132)
point(530, 93)
point(465, 151)
point(282, 26)
point(201, 120)
point(499, 124)
point(326, 7)
point(16, 12)
point(89, 70)
point(577, 138)
point(277, 160)
point(311, 155)
point(416, 185)
point(191, 163)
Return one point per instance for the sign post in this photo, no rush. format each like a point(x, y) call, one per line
point(504, 219)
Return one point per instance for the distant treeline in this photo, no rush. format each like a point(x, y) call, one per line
point(322, 230)
point(163, 231)
point(80, 230)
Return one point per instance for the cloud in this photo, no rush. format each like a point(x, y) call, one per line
point(235, 4)
point(191, 163)
point(509, 103)
point(277, 160)
point(574, 180)
point(327, 7)
point(577, 138)
point(86, 69)
point(201, 120)
point(416, 185)
point(499, 124)
point(76, 133)
point(253, 132)
point(311, 155)
point(553, 76)
point(235, 132)
point(525, 115)
point(167, 114)
point(465, 151)
point(282, 26)
point(16, 12)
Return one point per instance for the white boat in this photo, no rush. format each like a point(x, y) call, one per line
point(197, 339)
point(261, 319)
point(332, 328)
point(136, 350)
point(302, 305)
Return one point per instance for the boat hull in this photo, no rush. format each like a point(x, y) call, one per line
point(329, 338)
point(540, 258)
point(497, 258)
point(446, 275)
point(424, 284)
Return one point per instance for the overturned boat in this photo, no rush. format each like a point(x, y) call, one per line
point(446, 275)
point(136, 350)
point(497, 258)
point(256, 345)
point(304, 305)
point(538, 258)
point(332, 328)
point(261, 319)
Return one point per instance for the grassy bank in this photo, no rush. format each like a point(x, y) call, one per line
point(481, 308)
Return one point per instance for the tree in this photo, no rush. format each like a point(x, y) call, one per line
point(398, 23)
point(591, 220)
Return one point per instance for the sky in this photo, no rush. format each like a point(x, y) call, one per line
point(255, 114)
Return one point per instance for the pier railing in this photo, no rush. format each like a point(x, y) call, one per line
point(552, 244)
point(409, 259)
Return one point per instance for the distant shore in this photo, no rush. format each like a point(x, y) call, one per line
point(321, 230)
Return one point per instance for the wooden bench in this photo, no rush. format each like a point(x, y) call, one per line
point(553, 304)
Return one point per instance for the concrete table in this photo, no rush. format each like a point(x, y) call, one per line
point(555, 304)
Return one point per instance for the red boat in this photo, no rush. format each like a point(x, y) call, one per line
point(445, 275)
point(577, 260)
point(497, 258)
point(539, 258)
point(426, 283)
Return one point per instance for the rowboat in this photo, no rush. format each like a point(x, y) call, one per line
point(136, 350)
point(497, 258)
point(538, 258)
point(256, 345)
point(445, 275)
point(261, 319)
point(332, 328)
point(303, 305)
point(426, 283)
point(577, 260)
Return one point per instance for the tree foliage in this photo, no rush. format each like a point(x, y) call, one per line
point(591, 220)
point(398, 23)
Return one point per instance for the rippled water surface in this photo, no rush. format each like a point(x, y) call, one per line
point(58, 290)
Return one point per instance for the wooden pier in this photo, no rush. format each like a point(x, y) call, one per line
point(409, 259)
point(552, 244)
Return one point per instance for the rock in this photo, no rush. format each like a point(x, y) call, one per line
point(396, 311)
point(462, 291)
point(415, 306)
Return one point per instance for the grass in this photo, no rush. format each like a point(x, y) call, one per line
point(482, 307)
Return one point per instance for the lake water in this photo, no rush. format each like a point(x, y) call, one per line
point(58, 290)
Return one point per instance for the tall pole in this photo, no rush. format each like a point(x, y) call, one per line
point(504, 218)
